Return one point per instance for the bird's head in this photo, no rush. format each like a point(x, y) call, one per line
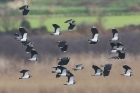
point(110, 40)
point(83, 67)
point(89, 40)
point(30, 76)
point(58, 41)
point(124, 49)
point(51, 34)
point(74, 82)
point(16, 34)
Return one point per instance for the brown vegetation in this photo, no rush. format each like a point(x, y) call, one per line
point(43, 81)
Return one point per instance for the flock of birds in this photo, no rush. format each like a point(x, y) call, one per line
point(60, 69)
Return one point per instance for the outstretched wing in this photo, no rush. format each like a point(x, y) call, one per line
point(22, 7)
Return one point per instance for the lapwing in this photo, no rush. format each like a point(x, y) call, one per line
point(25, 74)
point(115, 35)
point(98, 71)
point(34, 55)
point(128, 71)
point(63, 61)
point(113, 47)
point(63, 72)
point(57, 30)
point(121, 55)
point(29, 48)
point(95, 34)
point(71, 80)
point(78, 67)
point(25, 9)
point(71, 24)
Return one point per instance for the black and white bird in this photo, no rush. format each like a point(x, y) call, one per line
point(78, 67)
point(57, 29)
point(115, 35)
point(121, 55)
point(63, 45)
point(107, 68)
point(113, 47)
point(25, 74)
point(22, 36)
point(128, 71)
point(71, 24)
point(95, 35)
point(63, 72)
point(71, 80)
point(120, 46)
point(57, 69)
point(98, 71)
point(29, 48)
point(34, 55)
point(63, 61)
point(25, 9)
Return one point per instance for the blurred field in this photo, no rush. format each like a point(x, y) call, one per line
point(108, 22)
point(43, 81)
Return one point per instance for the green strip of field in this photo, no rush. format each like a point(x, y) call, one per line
point(108, 21)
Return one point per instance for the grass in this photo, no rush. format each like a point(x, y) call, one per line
point(108, 21)
point(43, 81)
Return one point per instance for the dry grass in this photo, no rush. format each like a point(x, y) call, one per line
point(43, 81)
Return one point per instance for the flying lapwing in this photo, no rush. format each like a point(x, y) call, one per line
point(29, 48)
point(107, 68)
point(63, 61)
point(128, 71)
point(71, 80)
point(25, 9)
point(34, 55)
point(113, 47)
point(115, 35)
point(120, 46)
point(78, 67)
point(95, 35)
point(63, 45)
point(57, 30)
point(121, 55)
point(71, 24)
point(25, 74)
point(57, 69)
point(98, 71)
point(63, 72)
